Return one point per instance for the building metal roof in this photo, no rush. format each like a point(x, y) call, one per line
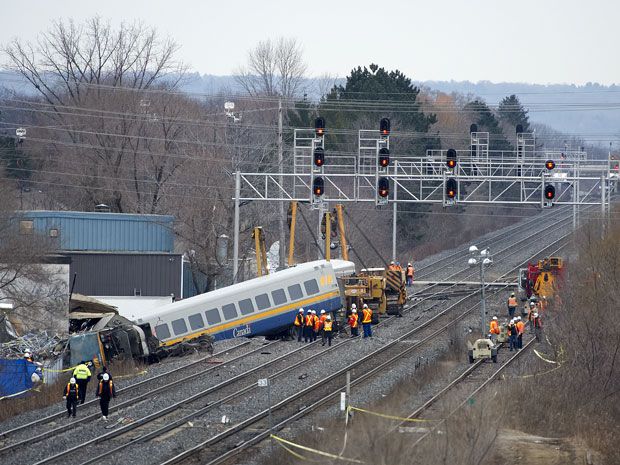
point(105, 232)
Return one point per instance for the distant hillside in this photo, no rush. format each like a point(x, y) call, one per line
point(591, 111)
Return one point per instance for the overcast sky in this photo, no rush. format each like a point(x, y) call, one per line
point(535, 41)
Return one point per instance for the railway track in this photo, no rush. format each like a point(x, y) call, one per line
point(156, 424)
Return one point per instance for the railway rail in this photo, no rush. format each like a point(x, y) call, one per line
point(177, 419)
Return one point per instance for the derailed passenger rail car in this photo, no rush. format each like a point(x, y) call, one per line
point(264, 306)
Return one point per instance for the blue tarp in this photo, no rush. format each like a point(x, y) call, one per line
point(15, 376)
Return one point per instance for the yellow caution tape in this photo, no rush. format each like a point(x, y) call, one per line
point(540, 356)
point(314, 451)
point(295, 454)
point(390, 417)
point(143, 372)
point(58, 371)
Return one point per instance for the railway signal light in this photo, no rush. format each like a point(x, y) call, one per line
point(384, 157)
point(451, 158)
point(383, 187)
point(549, 164)
point(319, 126)
point(384, 126)
point(319, 157)
point(318, 187)
point(451, 187)
point(549, 192)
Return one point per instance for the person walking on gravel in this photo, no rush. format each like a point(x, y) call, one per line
point(327, 330)
point(82, 376)
point(512, 305)
point(537, 323)
point(410, 273)
point(367, 321)
point(105, 392)
point(299, 324)
point(494, 329)
point(520, 330)
point(71, 395)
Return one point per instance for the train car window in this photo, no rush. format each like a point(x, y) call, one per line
point(279, 297)
point(162, 331)
point(295, 292)
point(213, 316)
point(196, 321)
point(262, 301)
point(246, 306)
point(311, 286)
point(229, 311)
point(179, 327)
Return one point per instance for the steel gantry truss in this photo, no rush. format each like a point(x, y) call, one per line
point(482, 176)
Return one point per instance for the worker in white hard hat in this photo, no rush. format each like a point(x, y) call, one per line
point(367, 321)
point(308, 326)
point(28, 357)
point(105, 392)
point(315, 325)
point(494, 329)
point(520, 330)
point(512, 335)
point(328, 330)
point(353, 321)
point(299, 324)
point(322, 319)
point(409, 274)
point(537, 324)
point(71, 394)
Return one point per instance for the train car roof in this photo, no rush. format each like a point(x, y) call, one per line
point(341, 265)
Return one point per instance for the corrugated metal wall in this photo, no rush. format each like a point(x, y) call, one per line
point(113, 274)
point(113, 232)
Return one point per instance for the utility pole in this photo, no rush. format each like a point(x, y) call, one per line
point(394, 210)
point(282, 238)
point(236, 232)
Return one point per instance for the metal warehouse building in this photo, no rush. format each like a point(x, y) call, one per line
point(127, 274)
point(105, 232)
point(113, 254)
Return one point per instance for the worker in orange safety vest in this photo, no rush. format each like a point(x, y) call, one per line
point(299, 324)
point(410, 273)
point(308, 326)
point(520, 329)
point(367, 321)
point(512, 305)
point(328, 330)
point(494, 329)
point(354, 323)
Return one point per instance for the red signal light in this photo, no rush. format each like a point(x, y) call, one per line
point(451, 187)
point(383, 188)
point(549, 192)
point(451, 163)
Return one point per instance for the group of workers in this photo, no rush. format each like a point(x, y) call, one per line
point(409, 271)
point(309, 326)
point(75, 390)
point(516, 326)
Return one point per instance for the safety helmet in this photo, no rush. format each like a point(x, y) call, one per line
point(512, 321)
point(409, 264)
point(301, 310)
point(518, 318)
point(27, 355)
point(314, 312)
point(72, 380)
point(495, 318)
point(354, 311)
point(322, 311)
point(106, 377)
point(392, 262)
point(365, 305)
point(353, 306)
point(532, 304)
point(512, 294)
point(329, 317)
point(535, 314)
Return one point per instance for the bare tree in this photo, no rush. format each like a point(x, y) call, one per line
point(274, 68)
point(106, 109)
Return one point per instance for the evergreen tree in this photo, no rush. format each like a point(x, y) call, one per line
point(487, 122)
point(512, 113)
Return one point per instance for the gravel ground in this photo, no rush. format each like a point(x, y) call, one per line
point(255, 400)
